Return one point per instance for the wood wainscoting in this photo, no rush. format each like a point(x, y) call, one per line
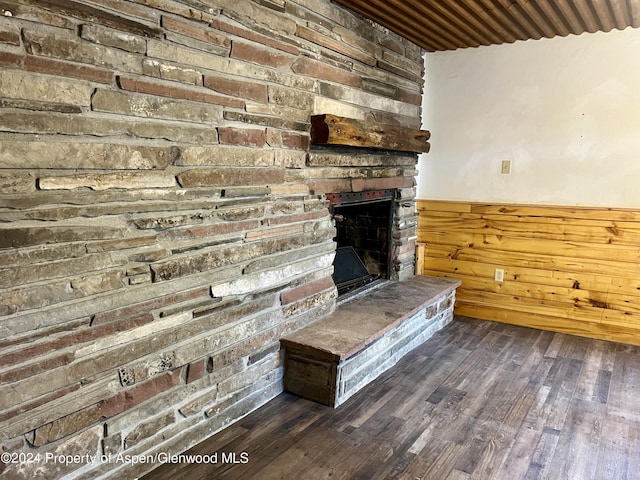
point(566, 269)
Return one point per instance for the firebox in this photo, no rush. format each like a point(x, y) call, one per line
point(364, 222)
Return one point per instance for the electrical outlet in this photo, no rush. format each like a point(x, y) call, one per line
point(499, 275)
point(506, 167)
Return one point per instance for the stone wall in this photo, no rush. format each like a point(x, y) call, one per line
point(162, 218)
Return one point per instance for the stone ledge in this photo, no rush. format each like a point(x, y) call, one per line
point(364, 320)
point(335, 357)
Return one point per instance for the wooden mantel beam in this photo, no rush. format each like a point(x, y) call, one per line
point(330, 129)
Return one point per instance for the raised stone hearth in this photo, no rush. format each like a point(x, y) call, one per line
point(336, 356)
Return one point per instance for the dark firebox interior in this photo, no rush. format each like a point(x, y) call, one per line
point(363, 224)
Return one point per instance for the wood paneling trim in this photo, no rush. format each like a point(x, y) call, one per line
point(567, 269)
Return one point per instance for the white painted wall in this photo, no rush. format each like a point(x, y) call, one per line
point(565, 111)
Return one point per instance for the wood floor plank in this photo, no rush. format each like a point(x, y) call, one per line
point(441, 467)
point(442, 416)
point(625, 385)
point(498, 445)
point(365, 415)
point(590, 373)
point(516, 463)
point(616, 456)
point(300, 456)
point(476, 445)
point(479, 400)
point(559, 400)
point(540, 466)
point(584, 438)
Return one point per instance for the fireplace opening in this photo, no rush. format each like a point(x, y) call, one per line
point(364, 222)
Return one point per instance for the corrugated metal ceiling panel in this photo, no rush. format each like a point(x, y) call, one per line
point(450, 24)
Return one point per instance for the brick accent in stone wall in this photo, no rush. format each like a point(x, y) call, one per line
point(162, 215)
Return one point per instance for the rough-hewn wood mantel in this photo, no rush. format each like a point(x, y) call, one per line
point(329, 129)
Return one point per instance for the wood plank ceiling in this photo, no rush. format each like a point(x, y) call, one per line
point(438, 25)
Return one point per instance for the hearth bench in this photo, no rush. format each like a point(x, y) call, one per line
point(331, 359)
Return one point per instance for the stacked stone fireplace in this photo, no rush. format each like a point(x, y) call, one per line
point(374, 216)
point(164, 218)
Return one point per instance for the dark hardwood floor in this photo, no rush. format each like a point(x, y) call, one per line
point(479, 400)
